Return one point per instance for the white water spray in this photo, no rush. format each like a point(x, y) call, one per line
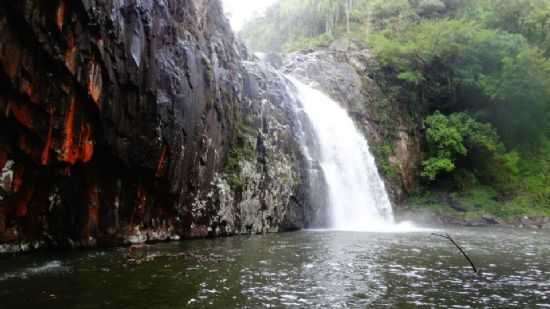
point(357, 195)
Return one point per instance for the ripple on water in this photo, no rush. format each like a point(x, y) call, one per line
point(48, 267)
point(308, 270)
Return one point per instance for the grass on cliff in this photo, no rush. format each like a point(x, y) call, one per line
point(241, 150)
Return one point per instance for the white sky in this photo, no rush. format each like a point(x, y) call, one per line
point(239, 11)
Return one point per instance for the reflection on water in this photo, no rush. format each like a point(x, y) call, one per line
point(311, 269)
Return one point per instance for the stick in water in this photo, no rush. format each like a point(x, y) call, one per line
point(447, 236)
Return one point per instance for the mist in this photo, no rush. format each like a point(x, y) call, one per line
point(240, 11)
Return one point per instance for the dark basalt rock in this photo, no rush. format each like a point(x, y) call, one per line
point(118, 121)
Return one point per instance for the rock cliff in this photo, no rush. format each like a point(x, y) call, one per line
point(126, 121)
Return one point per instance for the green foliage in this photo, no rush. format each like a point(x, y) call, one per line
point(465, 180)
point(444, 136)
point(438, 58)
point(309, 42)
point(476, 72)
point(381, 9)
point(456, 65)
point(382, 152)
point(290, 22)
point(526, 190)
point(431, 7)
point(390, 13)
point(435, 165)
point(520, 93)
point(472, 67)
point(445, 143)
point(477, 202)
point(481, 136)
point(241, 150)
point(510, 162)
point(530, 18)
point(458, 135)
point(534, 176)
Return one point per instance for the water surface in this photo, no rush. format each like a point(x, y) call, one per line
point(310, 269)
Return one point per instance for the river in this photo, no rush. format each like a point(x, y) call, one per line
point(308, 269)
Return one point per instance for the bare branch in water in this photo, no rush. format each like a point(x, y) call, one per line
point(447, 236)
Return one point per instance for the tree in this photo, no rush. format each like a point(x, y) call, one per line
point(456, 136)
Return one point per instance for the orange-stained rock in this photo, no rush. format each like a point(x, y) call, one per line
point(94, 81)
point(139, 208)
point(141, 198)
point(70, 54)
point(66, 154)
point(66, 87)
point(162, 160)
point(26, 88)
point(77, 145)
point(86, 146)
point(93, 219)
point(60, 15)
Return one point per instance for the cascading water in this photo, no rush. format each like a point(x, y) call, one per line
point(356, 192)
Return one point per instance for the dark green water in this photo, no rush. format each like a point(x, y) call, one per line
point(294, 270)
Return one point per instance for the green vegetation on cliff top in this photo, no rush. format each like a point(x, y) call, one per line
point(476, 75)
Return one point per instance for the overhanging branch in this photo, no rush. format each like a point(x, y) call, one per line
point(447, 236)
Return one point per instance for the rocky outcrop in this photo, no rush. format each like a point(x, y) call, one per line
point(129, 121)
point(259, 188)
point(346, 71)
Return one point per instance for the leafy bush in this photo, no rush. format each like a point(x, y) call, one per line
point(455, 136)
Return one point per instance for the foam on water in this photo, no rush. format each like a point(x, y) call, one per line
point(49, 267)
point(396, 228)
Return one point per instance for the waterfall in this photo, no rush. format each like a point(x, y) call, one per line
point(356, 194)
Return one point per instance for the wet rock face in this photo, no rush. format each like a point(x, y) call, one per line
point(263, 185)
point(346, 72)
point(118, 120)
